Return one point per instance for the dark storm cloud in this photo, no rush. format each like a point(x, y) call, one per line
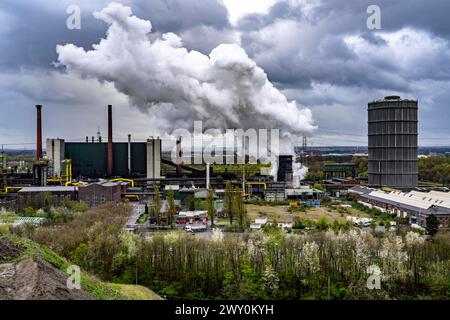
point(302, 45)
point(424, 14)
point(35, 29)
point(32, 29)
point(319, 53)
point(176, 15)
point(29, 33)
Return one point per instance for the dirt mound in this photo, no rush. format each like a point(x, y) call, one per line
point(38, 280)
point(32, 278)
point(9, 250)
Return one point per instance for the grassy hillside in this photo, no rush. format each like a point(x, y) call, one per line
point(94, 287)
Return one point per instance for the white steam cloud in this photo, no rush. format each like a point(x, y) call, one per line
point(299, 173)
point(225, 89)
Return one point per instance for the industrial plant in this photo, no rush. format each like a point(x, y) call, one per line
point(238, 152)
point(136, 166)
point(95, 170)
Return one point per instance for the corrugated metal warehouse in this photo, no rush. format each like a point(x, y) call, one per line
point(415, 205)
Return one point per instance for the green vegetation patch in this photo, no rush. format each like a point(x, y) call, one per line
point(135, 292)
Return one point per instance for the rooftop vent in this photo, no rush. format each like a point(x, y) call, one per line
point(392, 98)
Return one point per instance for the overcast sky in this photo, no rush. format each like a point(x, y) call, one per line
point(319, 54)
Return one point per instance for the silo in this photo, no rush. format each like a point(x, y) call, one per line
point(392, 124)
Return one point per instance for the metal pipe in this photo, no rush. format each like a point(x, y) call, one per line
point(39, 133)
point(110, 142)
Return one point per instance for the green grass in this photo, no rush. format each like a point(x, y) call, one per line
point(374, 213)
point(142, 218)
point(135, 292)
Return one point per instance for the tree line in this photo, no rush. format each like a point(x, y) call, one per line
point(435, 169)
point(257, 265)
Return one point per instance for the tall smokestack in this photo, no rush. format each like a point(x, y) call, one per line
point(207, 175)
point(110, 142)
point(129, 154)
point(178, 157)
point(39, 133)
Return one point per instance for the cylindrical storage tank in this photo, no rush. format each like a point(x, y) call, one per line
point(392, 134)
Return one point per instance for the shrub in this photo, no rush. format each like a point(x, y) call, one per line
point(4, 229)
point(322, 224)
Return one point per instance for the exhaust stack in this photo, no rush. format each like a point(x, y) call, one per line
point(129, 155)
point(39, 133)
point(207, 175)
point(110, 142)
point(178, 156)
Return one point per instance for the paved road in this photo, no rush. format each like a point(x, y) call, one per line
point(137, 209)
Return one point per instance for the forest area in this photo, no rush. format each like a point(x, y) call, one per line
point(431, 169)
point(435, 169)
point(316, 167)
point(259, 265)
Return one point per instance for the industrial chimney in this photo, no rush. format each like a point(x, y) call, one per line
point(39, 133)
point(110, 142)
point(129, 155)
point(207, 175)
point(178, 156)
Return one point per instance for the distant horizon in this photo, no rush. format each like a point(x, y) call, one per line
point(314, 66)
point(296, 146)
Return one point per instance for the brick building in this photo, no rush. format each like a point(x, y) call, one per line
point(34, 197)
point(97, 193)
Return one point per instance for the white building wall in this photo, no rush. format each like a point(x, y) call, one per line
point(55, 154)
point(154, 158)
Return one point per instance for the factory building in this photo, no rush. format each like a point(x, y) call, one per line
point(303, 193)
point(415, 205)
point(90, 159)
point(65, 162)
point(339, 170)
point(96, 159)
point(97, 193)
point(392, 135)
point(275, 191)
point(35, 196)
